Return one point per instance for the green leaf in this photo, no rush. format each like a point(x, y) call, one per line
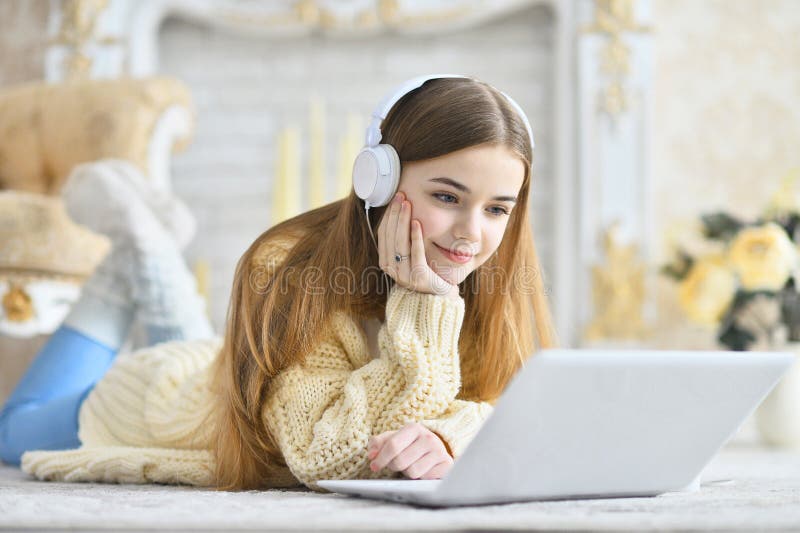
point(732, 336)
point(721, 226)
point(790, 310)
point(735, 338)
point(679, 268)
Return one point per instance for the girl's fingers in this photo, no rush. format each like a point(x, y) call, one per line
point(395, 444)
point(391, 228)
point(411, 455)
point(438, 471)
point(423, 465)
point(378, 440)
point(418, 261)
point(403, 243)
point(386, 240)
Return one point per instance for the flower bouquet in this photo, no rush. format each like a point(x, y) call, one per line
point(747, 285)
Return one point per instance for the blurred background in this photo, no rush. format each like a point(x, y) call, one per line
point(665, 192)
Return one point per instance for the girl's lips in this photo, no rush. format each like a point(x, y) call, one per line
point(456, 258)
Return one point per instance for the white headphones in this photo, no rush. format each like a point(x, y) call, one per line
point(376, 171)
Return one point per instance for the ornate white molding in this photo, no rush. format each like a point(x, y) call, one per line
point(140, 20)
point(614, 106)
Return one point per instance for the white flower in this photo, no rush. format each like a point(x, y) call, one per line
point(764, 257)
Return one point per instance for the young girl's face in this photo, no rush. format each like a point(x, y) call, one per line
point(463, 201)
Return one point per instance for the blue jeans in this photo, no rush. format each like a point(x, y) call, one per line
point(42, 411)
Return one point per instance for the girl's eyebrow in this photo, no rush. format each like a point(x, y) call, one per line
point(461, 187)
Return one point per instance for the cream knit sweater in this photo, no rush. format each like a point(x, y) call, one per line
point(147, 418)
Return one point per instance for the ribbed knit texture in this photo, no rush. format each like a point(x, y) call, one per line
point(145, 421)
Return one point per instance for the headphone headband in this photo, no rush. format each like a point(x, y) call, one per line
point(373, 134)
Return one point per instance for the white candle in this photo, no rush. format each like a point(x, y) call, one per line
point(201, 274)
point(286, 192)
point(292, 184)
point(349, 147)
point(316, 165)
point(278, 182)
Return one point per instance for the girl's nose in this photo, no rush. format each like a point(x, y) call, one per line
point(468, 228)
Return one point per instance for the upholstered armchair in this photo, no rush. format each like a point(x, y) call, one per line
point(45, 131)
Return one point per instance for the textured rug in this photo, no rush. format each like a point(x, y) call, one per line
point(744, 488)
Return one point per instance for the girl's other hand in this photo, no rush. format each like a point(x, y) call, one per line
point(414, 450)
point(399, 234)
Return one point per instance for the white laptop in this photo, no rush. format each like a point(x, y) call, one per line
point(598, 423)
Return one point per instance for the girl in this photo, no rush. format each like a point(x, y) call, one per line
point(348, 353)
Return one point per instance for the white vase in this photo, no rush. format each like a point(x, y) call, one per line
point(778, 416)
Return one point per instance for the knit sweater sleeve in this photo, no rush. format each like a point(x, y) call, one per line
point(323, 412)
point(459, 424)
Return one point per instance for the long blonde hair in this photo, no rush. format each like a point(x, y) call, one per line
point(270, 330)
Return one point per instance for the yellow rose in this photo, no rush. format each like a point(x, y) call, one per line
point(707, 291)
point(763, 257)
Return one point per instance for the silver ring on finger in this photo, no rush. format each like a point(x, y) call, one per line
point(398, 257)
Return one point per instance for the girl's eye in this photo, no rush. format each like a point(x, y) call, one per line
point(445, 197)
point(448, 198)
point(500, 211)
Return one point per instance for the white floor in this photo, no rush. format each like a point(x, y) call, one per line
point(745, 487)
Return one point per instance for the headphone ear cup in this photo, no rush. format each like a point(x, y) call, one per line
point(376, 174)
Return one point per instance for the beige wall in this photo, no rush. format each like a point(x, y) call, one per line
point(727, 95)
point(726, 120)
point(23, 25)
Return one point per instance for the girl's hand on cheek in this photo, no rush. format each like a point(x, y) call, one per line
point(414, 450)
point(400, 236)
